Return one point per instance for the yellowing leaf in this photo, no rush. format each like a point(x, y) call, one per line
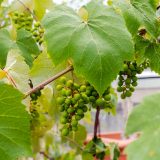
point(40, 7)
point(83, 14)
point(2, 74)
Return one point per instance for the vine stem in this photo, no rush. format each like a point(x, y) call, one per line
point(43, 84)
point(46, 156)
point(28, 9)
point(96, 123)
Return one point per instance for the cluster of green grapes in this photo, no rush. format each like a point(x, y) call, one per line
point(74, 100)
point(25, 20)
point(128, 77)
point(22, 20)
point(34, 107)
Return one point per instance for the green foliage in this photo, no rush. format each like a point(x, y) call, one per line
point(96, 148)
point(6, 44)
point(147, 10)
point(99, 42)
point(153, 54)
point(130, 15)
point(41, 6)
point(89, 43)
point(14, 125)
point(145, 120)
point(42, 69)
point(27, 45)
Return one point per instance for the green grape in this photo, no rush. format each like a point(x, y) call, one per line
point(63, 80)
point(69, 83)
point(128, 93)
point(60, 100)
point(123, 96)
point(73, 101)
point(85, 98)
point(65, 114)
point(92, 99)
point(65, 132)
point(77, 96)
point(125, 67)
point(68, 101)
point(70, 110)
point(59, 87)
point(131, 66)
point(119, 89)
point(78, 117)
point(37, 24)
point(132, 89)
point(74, 123)
point(100, 102)
point(134, 78)
point(68, 92)
point(63, 120)
point(76, 86)
point(66, 106)
point(134, 84)
point(85, 109)
point(94, 93)
point(63, 92)
point(127, 81)
point(88, 92)
point(107, 97)
point(80, 112)
point(134, 73)
point(120, 83)
point(83, 88)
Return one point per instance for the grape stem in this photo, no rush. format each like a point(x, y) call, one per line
point(96, 123)
point(43, 84)
point(46, 156)
point(28, 9)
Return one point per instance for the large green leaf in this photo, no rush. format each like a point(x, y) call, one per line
point(147, 11)
point(14, 125)
point(145, 119)
point(153, 54)
point(5, 45)
point(27, 45)
point(97, 46)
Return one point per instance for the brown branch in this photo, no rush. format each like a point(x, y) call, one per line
point(46, 156)
point(9, 77)
point(43, 84)
point(96, 123)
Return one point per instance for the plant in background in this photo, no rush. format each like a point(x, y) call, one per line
point(82, 52)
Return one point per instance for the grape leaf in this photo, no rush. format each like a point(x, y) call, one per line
point(147, 10)
point(97, 47)
point(153, 54)
point(41, 6)
point(14, 125)
point(18, 70)
point(79, 136)
point(5, 45)
point(130, 15)
point(42, 69)
point(145, 119)
point(27, 45)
